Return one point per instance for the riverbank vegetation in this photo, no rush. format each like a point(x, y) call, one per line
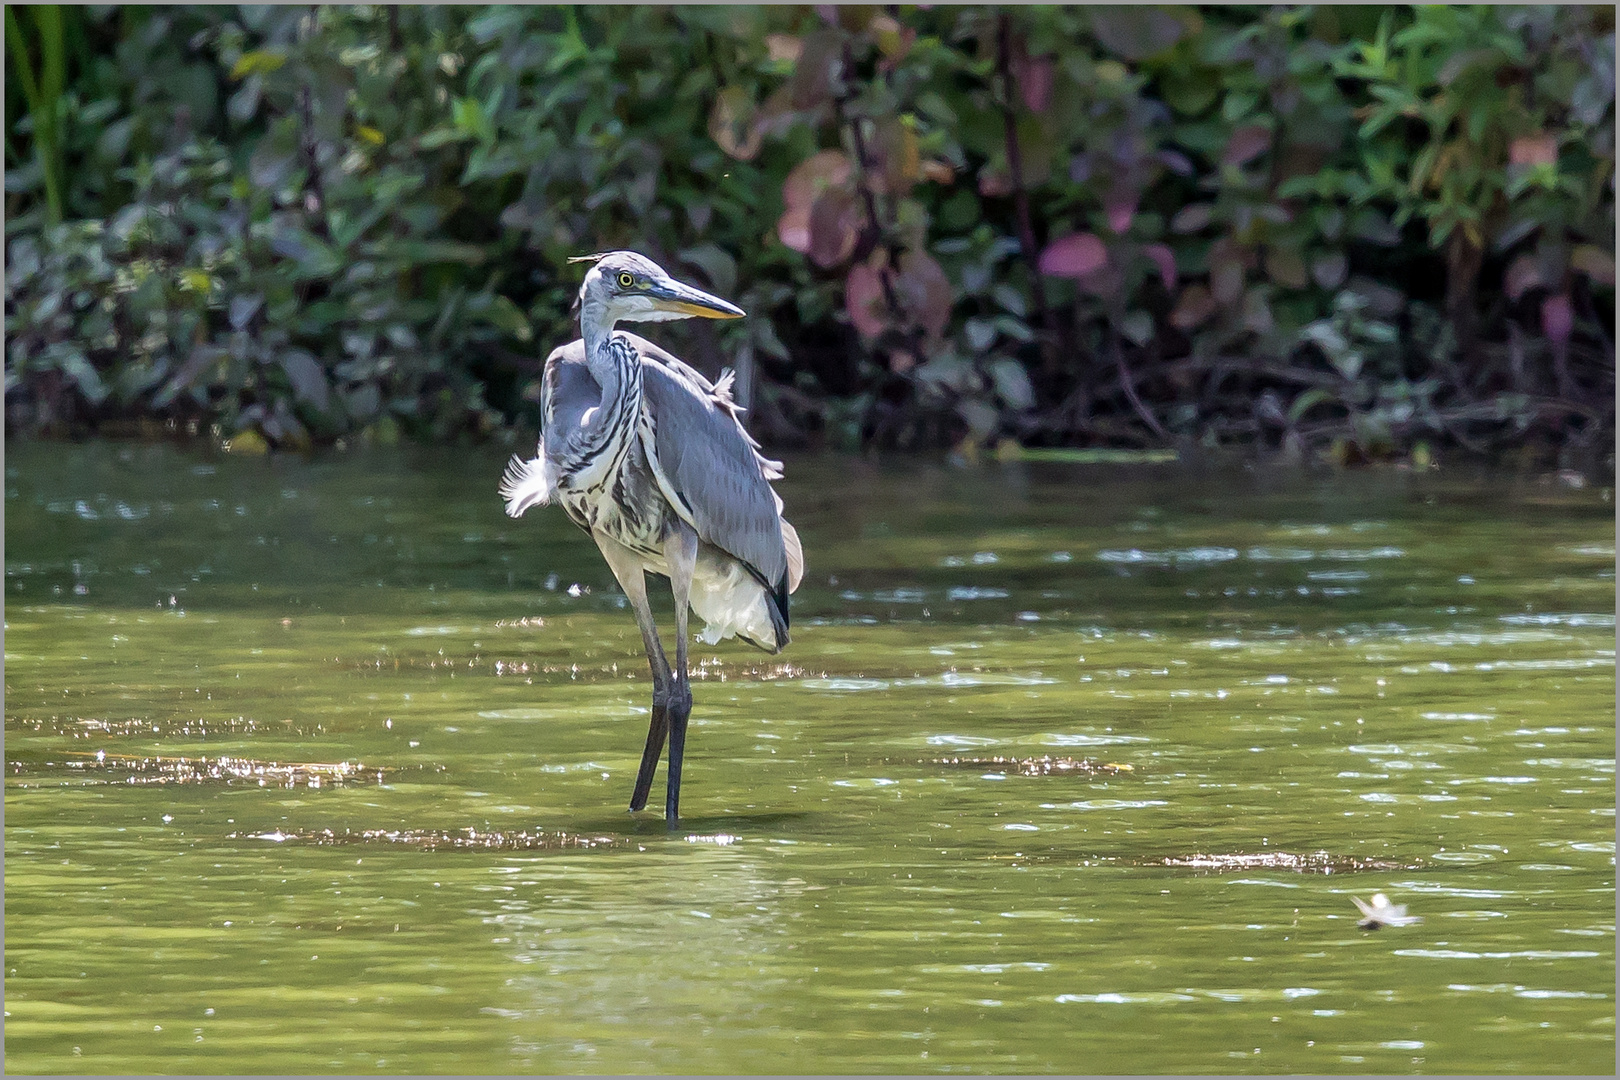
point(1355, 232)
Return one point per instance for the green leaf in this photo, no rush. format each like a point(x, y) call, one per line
point(1010, 299)
point(1307, 401)
point(570, 46)
point(258, 62)
point(1190, 91)
point(307, 377)
point(311, 257)
point(78, 368)
point(1594, 262)
point(1137, 326)
point(423, 251)
point(471, 119)
point(717, 265)
point(1012, 383)
point(433, 138)
point(507, 316)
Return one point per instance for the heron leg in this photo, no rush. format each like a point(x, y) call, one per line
point(627, 567)
point(680, 554)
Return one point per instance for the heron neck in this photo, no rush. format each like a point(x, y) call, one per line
point(596, 327)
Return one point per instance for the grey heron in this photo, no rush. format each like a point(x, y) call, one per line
point(651, 459)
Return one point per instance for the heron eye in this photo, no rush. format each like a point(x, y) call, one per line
point(626, 280)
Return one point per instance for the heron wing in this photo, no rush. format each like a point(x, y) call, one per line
point(714, 466)
point(567, 392)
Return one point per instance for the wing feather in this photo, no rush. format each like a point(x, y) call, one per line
point(709, 467)
point(567, 393)
point(713, 465)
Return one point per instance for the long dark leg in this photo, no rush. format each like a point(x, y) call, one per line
point(649, 756)
point(633, 580)
point(680, 552)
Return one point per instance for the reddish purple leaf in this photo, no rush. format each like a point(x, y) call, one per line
point(783, 47)
point(1194, 307)
point(834, 227)
point(1165, 259)
point(1538, 149)
point(1557, 317)
point(863, 298)
point(1074, 256)
point(925, 291)
point(1192, 217)
point(893, 40)
point(1523, 274)
point(1175, 161)
point(1105, 281)
point(776, 115)
point(1247, 143)
point(812, 175)
point(1034, 74)
point(1120, 208)
point(994, 185)
point(814, 75)
point(794, 229)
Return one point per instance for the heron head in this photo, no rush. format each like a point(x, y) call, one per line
point(626, 287)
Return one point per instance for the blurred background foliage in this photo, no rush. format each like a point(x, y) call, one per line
point(1363, 232)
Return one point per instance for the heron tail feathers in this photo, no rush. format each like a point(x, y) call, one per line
point(526, 484)
point(733, 600)
point(795, 558)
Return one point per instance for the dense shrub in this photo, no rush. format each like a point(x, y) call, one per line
point(1349, 228)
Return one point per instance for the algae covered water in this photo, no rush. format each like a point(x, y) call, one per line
point(321, 765)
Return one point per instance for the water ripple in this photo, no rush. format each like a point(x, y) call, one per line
point(996, 969)
point(947, 679)
point(429, 839)
point(972, 592)
point(1290, 993)
point(1199, 556)
point(1089, 740)
point(1544, 665)
point(1114, 804)
point(1360, 554)
point(1274, 554)
point(844, 685)
point(1552, 618)
point(1149, 997)
point(1519, 954)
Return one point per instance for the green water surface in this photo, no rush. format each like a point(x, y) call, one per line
point(321, 766)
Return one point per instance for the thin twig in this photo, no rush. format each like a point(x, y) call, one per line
point(1129, 386)
point(868, 196)
point(1015, 167)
